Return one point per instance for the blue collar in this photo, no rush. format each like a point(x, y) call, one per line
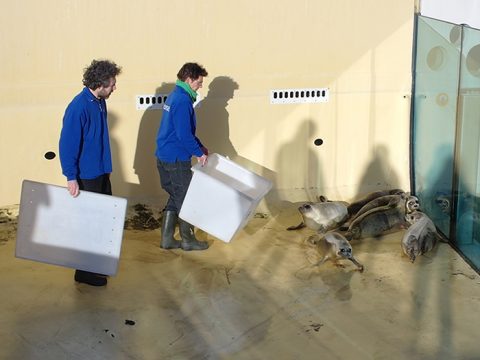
point(89, 94)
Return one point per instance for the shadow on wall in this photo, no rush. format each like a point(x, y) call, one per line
point(213, 125)
point(379, 174)
point(296, 159)
point(117, 177)
point(213, 119)
point(144, 164)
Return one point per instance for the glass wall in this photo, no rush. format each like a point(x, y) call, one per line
point(466, 236)
point(435, 107)
point(446, 131)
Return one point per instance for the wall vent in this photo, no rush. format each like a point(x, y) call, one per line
point(150, 102)
point(299, 96)
point(156, 101)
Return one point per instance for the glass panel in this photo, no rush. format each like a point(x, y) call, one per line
point(435, 106)
point(467, 224)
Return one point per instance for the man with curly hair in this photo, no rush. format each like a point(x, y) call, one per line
point(84, 141)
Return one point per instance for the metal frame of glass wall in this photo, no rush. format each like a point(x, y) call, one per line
point(445, 131)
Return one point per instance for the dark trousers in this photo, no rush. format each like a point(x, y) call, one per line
point(100, 184)
point(175, 179)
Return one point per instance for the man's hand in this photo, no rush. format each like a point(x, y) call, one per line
point(73, 188)
point(202, 159)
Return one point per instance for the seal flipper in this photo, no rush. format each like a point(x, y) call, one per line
point(389, 201)
point(325, 258)
point(297, 227)
point(359, 266)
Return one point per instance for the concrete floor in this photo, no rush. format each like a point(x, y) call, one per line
point(257, 297)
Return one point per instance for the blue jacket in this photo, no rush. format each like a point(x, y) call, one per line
point(176, 138)
point(84, 143)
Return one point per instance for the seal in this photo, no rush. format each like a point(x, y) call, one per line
point(322, 216)
point(354, 207)
point(421, 236)
point(334, 246)
point(380, 215)
point(376, 224)
point(381, 203)
point(412, 204)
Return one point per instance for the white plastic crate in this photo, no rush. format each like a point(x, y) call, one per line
point(222, 197)
point(83, 233)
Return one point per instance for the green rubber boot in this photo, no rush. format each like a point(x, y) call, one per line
point(189, 242)
point(169, 220)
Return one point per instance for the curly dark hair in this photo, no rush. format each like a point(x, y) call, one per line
point(99, 73)
point(192, 71)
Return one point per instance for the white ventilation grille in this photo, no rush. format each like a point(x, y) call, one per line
point(299, 96)
point(150, 102)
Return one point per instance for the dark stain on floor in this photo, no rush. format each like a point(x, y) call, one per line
point(8, 225)
point(142, 219)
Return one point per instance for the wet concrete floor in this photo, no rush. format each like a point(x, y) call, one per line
point(257, 297)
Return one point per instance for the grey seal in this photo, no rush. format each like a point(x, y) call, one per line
point(390, 201)
point(322, 216)
point(334, 246)
point(380, 203)
point(380, 215)
point(421, 236)
point(354, 207)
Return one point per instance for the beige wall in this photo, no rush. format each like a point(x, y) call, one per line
point(360, 50)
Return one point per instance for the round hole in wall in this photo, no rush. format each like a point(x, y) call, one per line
point(456, 34)
point(436, 58)
point(318, 142)
point(442, 99)
point(49, 155)
point(473, 61)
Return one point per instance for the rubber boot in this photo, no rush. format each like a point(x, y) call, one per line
point(169, 220)
point(90, 278)
point(189, 242)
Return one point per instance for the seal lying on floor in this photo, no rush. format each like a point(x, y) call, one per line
point(322, 216)
point(420, 237)
point(380, 215)
point(335, 246)
point(389, 201)
point(354, 207)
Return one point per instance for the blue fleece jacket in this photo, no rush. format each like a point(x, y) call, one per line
point(84, 143)
point(176, 138)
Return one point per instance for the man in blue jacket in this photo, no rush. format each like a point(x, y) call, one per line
point(176, 145)
point(84, 141)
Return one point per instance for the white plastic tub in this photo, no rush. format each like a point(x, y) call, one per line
point(83, 233)
point(222, 197)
